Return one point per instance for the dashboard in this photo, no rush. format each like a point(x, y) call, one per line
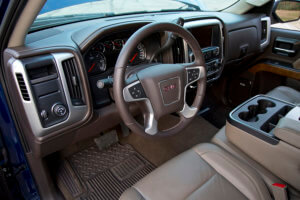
point(100, 57)
point(62, 77)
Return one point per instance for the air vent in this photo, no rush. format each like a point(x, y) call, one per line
point(178, 52)
point(23, 87)
point(72, 79)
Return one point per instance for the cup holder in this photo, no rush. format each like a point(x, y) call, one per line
point(263, 103)
point(254, 110)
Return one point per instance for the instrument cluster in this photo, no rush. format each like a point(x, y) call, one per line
point(102, 56)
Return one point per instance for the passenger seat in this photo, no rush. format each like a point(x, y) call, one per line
point(286, 94)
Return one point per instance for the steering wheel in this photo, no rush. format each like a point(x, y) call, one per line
point(160, 87)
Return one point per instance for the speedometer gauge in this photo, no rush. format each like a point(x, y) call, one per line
point(118, 44)
point(139, 55)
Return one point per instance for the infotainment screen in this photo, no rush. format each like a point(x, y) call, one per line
point(203, 35)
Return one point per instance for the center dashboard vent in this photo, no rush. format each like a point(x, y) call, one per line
point(178, 51)
point(23, 87)
point(69, 67)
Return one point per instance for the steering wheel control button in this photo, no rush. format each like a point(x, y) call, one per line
point(59, 110)
point(137, 91)
point(193, 74)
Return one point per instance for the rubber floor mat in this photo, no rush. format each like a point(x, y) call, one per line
point(94, 174)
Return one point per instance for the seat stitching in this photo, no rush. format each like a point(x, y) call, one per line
point(215, 173)
point(241, 169)
point(200, 186)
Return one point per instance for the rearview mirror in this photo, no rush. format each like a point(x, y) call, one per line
point(287, 11)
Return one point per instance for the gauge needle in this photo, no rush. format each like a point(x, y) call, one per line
point(92, 67)
point(132, 59)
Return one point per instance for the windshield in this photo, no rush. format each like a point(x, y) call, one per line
point(66, 11)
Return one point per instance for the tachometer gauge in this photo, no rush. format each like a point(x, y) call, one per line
point(118, 44)
point(97, 64)
point(139, 55)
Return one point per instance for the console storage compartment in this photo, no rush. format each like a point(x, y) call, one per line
point(268, 130)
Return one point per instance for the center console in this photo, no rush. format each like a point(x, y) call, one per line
point(259, 117)
point(268, 130)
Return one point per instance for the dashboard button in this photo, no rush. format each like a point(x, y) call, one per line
point(59, 110)
point(193, 74)
point(137, 91)
point(44, 114)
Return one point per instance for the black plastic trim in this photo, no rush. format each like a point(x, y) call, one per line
point(267, 137)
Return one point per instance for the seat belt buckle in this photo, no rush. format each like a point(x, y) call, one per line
point(279, 191)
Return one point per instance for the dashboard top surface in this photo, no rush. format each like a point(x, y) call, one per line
point(82, 34)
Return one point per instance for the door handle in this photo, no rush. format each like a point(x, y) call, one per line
point(284, 50)
point(285, 46)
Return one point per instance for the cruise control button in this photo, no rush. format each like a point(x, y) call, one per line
point(193, 74)
point(137, 91)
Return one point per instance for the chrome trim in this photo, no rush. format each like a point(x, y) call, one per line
point(76, 113)
point(266, 43)
point(187, 111)
point(284, 50)
point(204, 22)
point(150, 121)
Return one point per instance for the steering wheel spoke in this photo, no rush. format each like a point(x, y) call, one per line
point(150, 123)
point(193, 73)
point(134, 92)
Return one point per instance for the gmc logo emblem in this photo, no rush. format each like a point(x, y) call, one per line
point(169, 87)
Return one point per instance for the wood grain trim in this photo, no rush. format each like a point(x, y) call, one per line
point(263, 67)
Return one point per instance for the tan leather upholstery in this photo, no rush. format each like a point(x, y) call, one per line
point(281, 159)
point(269, 178)
point(288, 128)
point(286, 94)
point(203, 172)
point(222, 141)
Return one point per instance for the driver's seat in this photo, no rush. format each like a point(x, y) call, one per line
point(203, 172)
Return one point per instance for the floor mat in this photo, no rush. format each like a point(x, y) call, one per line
point(161, 149)
point(95, 174)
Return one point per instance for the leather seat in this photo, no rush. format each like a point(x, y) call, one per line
point(286, 94)
point(203, 172)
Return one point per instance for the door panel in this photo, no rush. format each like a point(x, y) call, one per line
point(286, 40)
point(279, 64)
